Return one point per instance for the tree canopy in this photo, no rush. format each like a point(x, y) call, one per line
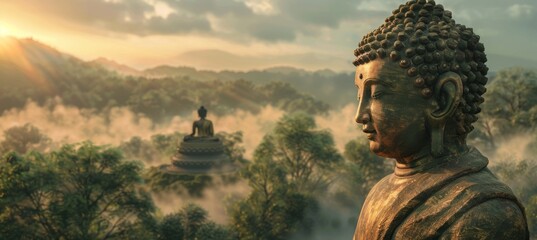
point(308, 154)
point(510, 107)
point(78, 192)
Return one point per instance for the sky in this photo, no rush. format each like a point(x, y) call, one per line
point(247, 34)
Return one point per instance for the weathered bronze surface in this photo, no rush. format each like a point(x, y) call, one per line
point(203, 127)
point(420, 77)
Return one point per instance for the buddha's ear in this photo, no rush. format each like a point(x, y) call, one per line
point(447, 94)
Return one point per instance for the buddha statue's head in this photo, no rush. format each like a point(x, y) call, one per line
point(202, 112)
point(420, 77)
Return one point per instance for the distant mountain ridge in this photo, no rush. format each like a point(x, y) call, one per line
point(32, 63)
point(45, 71)
point(495, 63)
point(180, 71)
point(115, 66)
point(32, 70)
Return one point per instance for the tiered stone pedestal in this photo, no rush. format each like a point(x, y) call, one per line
point(200, 156)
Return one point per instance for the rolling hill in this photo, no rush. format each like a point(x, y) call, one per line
point(30, 70)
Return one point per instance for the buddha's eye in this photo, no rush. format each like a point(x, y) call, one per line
point(377, 94)
point(377, 91)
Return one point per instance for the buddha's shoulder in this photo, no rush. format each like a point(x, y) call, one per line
point(480, 207)
point(383, 186)
point(494, 219)
point(201, 121)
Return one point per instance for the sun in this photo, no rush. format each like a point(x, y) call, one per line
point(4, 30)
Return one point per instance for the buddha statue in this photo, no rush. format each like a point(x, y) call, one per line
point(420, 78)
point(203, 127)
point(200, 153)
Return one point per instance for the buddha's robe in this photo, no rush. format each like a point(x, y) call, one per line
point(458, 198)
point(204, 128)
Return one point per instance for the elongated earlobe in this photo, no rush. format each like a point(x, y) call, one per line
point(447, 93)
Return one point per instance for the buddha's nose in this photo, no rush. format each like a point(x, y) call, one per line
point(362, 114)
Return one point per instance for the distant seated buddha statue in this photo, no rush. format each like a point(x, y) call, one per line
point(200, 151)
point(203, 127)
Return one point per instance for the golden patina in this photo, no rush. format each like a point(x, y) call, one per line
point(420, 79)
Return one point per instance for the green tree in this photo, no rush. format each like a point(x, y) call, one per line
point(239, 94)
point(213, 231)
point(521, 176)
point(171, 227)
point(166, 144)
point(23, 138)
point(284, 96)
point(78, 192)
point(361, 170)
point(307, 154)
point(191, 223)
point(291, 166)
point(25, 186)
point(364, 168)
point(531, 215)
point(511, 105)
point(233, 145)
point(140, 149)
point(306, 103)
point(193, 218)
point(512, 91)
point(273, 210)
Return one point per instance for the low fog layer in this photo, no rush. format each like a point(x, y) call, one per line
point(67, 124)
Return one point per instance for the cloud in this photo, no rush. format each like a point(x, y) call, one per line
point(262, 7)
point(139, 17)
point(68, 124)
point(520, 10)
point(251, 20)
point(320, 13)
point(306, 26)
point(215, 199)
point(372, 5)
point(271, 21)
point(174, 24)
point(342, 125)
point(265, 20)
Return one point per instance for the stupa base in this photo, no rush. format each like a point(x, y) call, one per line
point(214, 170)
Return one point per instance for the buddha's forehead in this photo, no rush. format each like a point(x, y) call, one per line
point(380, 70)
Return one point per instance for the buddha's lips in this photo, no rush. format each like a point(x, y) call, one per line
point(370, 133)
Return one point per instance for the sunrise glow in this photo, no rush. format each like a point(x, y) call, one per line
point(244, 34)
point(4, 30)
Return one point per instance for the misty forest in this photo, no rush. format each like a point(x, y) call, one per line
point(81, 143)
